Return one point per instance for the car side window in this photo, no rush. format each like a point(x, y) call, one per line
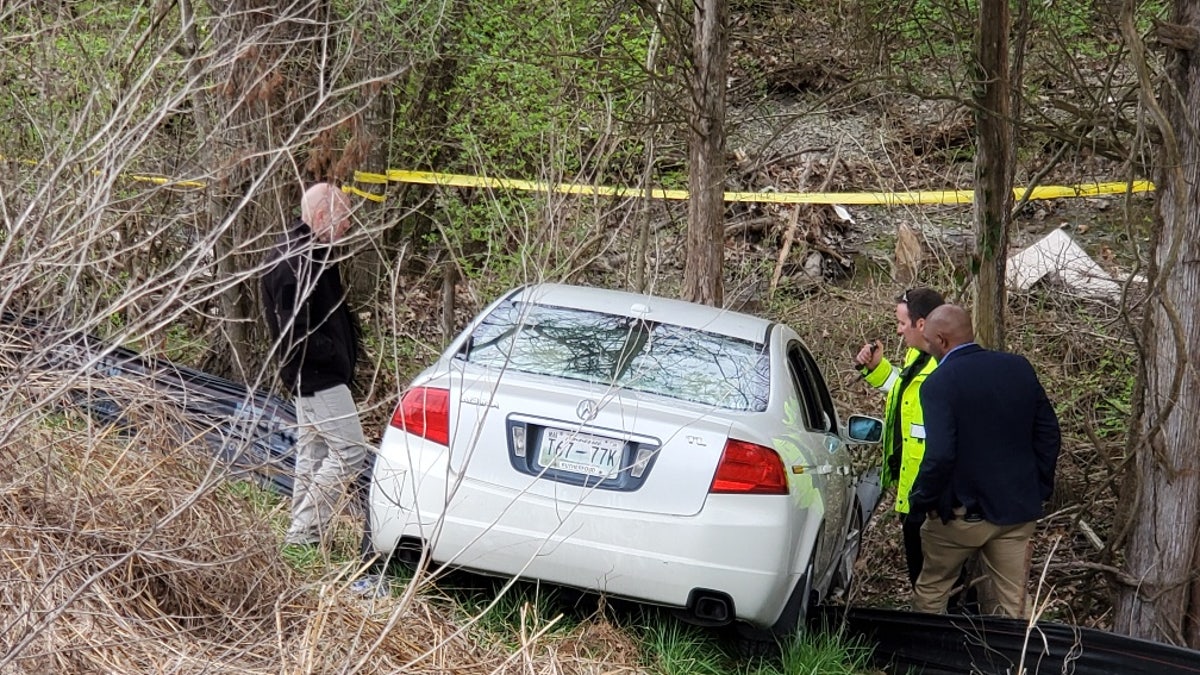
point(814, 417)
point(818, 382)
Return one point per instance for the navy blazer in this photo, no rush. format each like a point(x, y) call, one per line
point(992, 438)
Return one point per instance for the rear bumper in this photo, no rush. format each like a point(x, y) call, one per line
point(741, 545)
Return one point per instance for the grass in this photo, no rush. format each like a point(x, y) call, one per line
point(674, 648)
point(505, 613)
point(495, 609)
point(259, 499)
point(818, 652)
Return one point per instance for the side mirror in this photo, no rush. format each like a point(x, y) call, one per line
point(864, 429)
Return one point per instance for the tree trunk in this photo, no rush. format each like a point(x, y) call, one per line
point(706, 151)
point(1163, 601)
point(263, 92)
point(993, 171)
point(369, 151)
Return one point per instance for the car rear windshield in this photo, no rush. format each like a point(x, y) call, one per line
point(659, 358)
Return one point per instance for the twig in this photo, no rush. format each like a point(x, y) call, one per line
point(789, 233)
point(1091, 535)
point(785, 249)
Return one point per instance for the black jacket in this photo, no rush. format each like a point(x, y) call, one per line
point(992, 438)
point(304, 301)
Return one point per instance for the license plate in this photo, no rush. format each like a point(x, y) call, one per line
point(580, 453)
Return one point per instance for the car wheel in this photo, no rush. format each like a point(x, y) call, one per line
point(366, 549)
point(756, 644)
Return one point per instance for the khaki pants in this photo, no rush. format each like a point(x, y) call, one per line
point(329, 453)
point(1004, 557)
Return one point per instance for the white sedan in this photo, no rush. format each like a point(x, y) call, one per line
point(647, 448)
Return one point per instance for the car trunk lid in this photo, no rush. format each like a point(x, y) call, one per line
point(584, 444)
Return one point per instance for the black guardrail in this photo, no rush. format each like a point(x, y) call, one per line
point(254, 431)
point(948, 644)
point(250, 429)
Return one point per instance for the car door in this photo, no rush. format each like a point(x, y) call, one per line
point(820, 418)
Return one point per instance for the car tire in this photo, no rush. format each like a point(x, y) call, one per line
point(372, 561)
point(756, 646)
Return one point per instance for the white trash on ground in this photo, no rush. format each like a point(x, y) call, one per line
point(371, 586)
point(1058, 254)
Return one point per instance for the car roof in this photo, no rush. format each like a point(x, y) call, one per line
point(652, 308)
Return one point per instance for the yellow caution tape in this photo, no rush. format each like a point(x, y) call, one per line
point(863, 198)
point(376, 178)
point(767, 197)
point(349, 189)
point(139, 178)
point(163, 180)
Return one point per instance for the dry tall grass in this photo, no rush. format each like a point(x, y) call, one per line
point(125, 551)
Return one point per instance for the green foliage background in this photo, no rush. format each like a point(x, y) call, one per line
point(530, 91)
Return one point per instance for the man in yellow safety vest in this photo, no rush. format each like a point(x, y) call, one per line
point(904, 421)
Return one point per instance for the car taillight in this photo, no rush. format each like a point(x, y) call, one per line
point(424, 412)
point(748, 468)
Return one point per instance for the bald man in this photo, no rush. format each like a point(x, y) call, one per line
point(992, 443)
point(316, 340)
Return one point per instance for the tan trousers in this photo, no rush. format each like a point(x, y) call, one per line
point(329, 453)
point(1004, 557)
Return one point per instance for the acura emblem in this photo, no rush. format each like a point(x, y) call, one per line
point(587, 410)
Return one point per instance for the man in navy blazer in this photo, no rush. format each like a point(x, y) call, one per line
point(992, 443)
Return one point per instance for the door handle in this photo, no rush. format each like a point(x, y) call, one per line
point(819, 469)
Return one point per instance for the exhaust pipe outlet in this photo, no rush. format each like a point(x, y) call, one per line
point(409, 551)
point(712, 609)
point(709, 608)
